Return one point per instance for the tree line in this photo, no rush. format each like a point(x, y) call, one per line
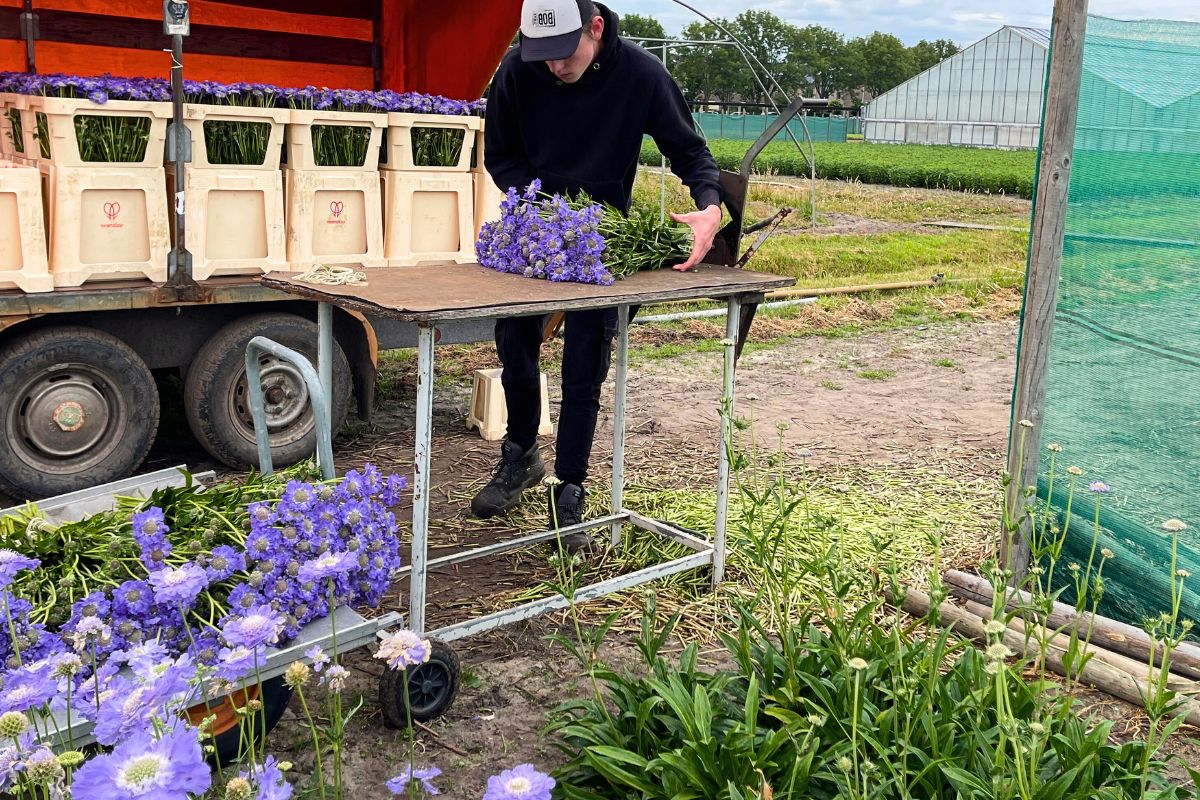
point(812, 61)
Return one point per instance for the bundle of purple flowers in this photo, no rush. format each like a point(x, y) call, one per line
point(545, 237)
point(102, 88)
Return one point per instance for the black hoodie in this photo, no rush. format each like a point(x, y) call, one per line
point(587, 135)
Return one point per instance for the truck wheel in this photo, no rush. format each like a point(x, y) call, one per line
point(217, 402)
point(78, 408)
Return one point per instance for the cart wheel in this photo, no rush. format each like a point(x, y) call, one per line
point(431, 688)
point(226, 734)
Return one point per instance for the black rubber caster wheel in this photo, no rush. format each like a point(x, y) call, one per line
point(432, 687)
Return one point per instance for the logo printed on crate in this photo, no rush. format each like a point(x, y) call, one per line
point(112, 211)
point(335, 213)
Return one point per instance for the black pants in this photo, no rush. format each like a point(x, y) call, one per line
point(587, 355)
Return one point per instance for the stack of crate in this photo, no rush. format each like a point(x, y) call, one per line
point(487, 195)
point(106, 219)
point(23, 262)
point(429, 211)
point(334, 212)
point(234, 212)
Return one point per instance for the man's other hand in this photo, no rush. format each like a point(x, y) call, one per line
point(704, 225)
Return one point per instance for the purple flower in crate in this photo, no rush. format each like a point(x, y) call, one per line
point(522, 782)
point(267, 779)
point(234, 664)
point(145, 768)
point(12, 562)
point(223, 562)
point(132, 599)
point(255, 627)
point(143, 657)
point(243, 597)
point(327, 565)
point(178, 586)
point(392, 489)
point(1099, 487)
point(399, 784)
point(27, 688)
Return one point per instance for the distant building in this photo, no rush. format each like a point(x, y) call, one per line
point(988, 95)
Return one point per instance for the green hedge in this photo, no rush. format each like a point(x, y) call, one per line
point(931, 166)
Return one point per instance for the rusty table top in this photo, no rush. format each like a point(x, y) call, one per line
point(435, 293)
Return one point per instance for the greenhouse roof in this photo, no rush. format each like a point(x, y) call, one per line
point(1157, 60)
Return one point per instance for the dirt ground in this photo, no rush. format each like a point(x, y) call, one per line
point(934, 396)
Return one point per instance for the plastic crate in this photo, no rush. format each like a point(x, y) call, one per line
point(106, 224)
point(300, 131)
point(195, 117)
point(333, 218)
point(235, 223)
point(429, 218)
point(54, 119)
point(488, 196)
point(399, 154)
point(23, 261)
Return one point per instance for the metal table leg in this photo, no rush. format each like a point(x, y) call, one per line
point(421, 479)
point(732, 324)
point(618, 465)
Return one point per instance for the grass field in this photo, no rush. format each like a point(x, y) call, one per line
point(928, 166)
point(894, 250)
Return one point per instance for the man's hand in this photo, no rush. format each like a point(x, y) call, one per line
point(704, 225)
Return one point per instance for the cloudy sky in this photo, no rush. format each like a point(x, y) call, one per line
point(964, 21)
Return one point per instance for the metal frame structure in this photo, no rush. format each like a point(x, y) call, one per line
point(704, 551)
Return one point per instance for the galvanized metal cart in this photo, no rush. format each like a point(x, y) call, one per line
point(436, 294)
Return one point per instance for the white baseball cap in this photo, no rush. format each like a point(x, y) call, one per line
point(550, 29)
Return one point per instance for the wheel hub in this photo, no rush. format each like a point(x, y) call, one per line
point(285, 396)
point(63, 414)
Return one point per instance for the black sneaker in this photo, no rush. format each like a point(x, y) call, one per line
point(516, 472)
point(568, 510)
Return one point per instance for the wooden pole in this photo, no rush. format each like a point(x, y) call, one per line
point(1045, 261)
point(1109, 634)
point(1101, 674)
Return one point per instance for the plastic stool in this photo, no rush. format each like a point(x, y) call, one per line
point(489, 413)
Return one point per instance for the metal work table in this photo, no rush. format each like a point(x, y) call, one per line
point(438, 294)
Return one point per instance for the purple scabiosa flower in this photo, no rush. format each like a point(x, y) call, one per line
point(11, 757)
point(318, 658)
point(223, 562)
point(150, 533)
point(12, 562)
point(329, 565)
point(402, 649)
point(399, 784)
point(335, 678)
point(393, 487)
point(235, 663)
point(169, 768)
point(91, 632)
point(142, 657)
point(178, 586)
point(132, 599)
point(27, 688)
point(522, 782)
point(255, 627)
point(268, 781)
point(1099, 487)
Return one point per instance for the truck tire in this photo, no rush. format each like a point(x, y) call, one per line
point(217, 403)
point(78, 407)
